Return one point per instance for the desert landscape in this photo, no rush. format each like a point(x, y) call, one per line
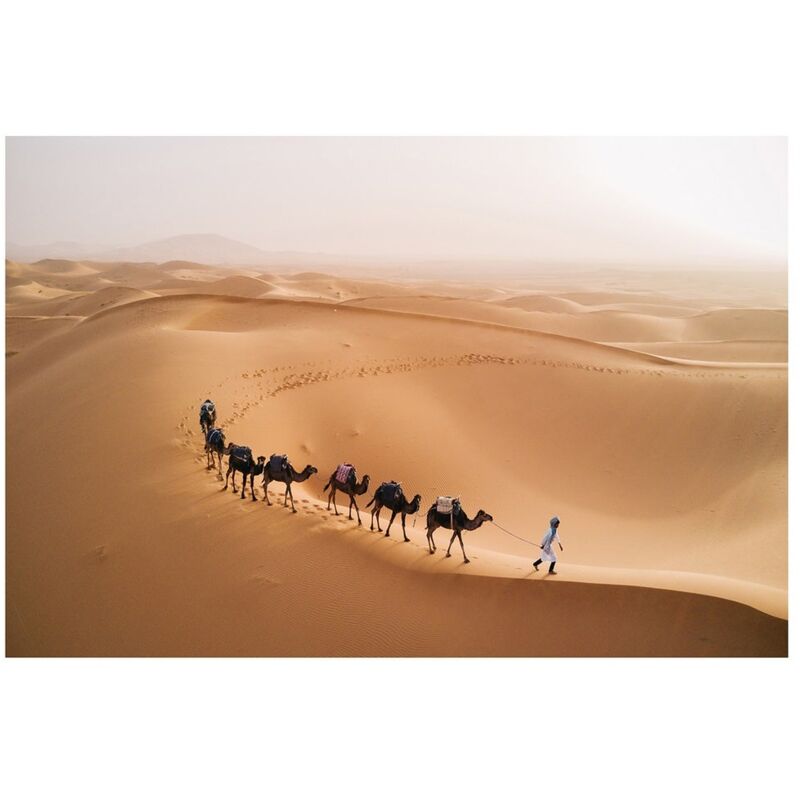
point(648, 409)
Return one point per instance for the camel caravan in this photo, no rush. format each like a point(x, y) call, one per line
point(446, 512)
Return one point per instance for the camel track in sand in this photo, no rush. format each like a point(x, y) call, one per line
point(291, 379)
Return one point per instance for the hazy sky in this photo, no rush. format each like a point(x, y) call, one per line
point(680, 201)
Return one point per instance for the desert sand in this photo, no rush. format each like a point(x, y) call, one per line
point(647, 410)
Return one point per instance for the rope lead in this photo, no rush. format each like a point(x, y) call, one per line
point(527, 541)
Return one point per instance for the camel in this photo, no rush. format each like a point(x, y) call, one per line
point(457, 522)
point(351, 489)
point(215, 443)
point(241, 460)
point(275, 470)
point(397, 504)
point(208, 416)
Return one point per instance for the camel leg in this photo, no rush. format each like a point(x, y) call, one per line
point(353, 503)
point(291, 497)
point(403, 521)
point(227, 475)
point(452, 539)
point(431, 543)
point(265, 483)
point(332, 498)
point(252, 489)
point(466, 560)
point(376, 512)
point(394, 514)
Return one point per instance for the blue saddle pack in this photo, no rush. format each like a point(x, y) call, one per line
point(389, 491)
point(242, 453)
point(277, 463)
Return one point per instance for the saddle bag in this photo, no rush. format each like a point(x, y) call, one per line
point(277, 463)
point(446, 504)
point(343, 472)
point(242, 453)
point(389, 491)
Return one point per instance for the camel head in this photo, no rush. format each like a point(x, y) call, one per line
point(311, 470)
point(415, 502)
point(482, 516)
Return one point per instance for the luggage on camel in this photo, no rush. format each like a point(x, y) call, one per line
point(278, 463)
point(389, 491)
point(242, 453)
point(344, 472)
point(447, 505)
point(213, 436)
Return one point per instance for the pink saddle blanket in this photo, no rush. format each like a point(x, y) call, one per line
point(343, 472)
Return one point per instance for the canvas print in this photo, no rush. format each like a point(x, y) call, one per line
point(413, 396)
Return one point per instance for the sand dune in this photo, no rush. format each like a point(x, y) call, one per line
point(78, 304)
point(623, 328)
point(23, 332)
point(32, 291)
point(670, 480)
point(239, 286)
point(766, 351)
point(53, 266)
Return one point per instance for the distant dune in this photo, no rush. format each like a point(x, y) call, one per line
point(664, 451)
point(61, 267)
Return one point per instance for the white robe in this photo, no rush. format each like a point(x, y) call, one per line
point(550, 538)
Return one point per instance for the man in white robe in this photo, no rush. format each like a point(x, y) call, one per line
point(548, 554)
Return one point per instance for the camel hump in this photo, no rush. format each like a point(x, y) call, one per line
point(242, 452)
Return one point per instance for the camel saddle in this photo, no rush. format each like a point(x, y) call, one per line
point(277, 463)
point(214, 436)
point(344, 472)
point(242, 453)
point(389, 491)
point(446, 504)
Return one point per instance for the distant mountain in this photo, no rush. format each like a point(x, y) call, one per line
point(207, 248)
point(201, 248)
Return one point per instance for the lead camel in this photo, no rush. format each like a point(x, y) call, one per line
point(458, 521)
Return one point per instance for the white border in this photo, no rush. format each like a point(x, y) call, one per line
point(129, 728)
